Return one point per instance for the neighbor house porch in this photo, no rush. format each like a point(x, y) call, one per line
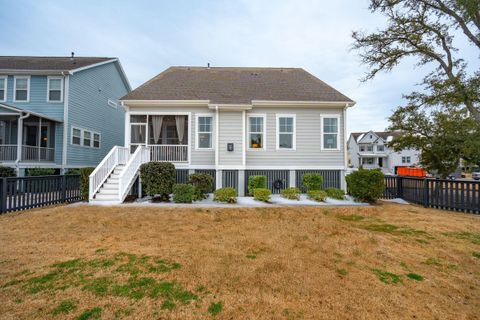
point(167, 136)
point(26, 137)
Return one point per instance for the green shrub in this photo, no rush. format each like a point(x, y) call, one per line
point(203, 183)
point(158, 178)
point(317, 195)
point(84, 181)
point(7, 172)
point(291, 193)
point(365, 185)
point(335, 193)
point(312, 181)
point(35, 172)
point(183, 193)
point(261, 194)
point(72, 172)
point(256, 182)
point(228, 195)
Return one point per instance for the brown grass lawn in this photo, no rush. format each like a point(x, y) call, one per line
point(383, 262)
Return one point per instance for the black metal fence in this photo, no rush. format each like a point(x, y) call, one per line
point(457, 195)
point(20, 193)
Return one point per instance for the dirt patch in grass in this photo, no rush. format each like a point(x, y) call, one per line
point(91, 262)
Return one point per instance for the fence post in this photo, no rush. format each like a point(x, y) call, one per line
point(425, 193)
point(399, 187)
point(3, 196)
point(64, 188)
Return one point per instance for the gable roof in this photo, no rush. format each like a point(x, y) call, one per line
point(385, 135)
point(224, 85)
point(25, 63)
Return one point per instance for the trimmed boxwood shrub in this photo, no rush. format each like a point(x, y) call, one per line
point(317, 195)
point(84, 181)
point(261, 194)
point(312, 181)
point(228, 195)
point(158, 179)
point(6, 172)
point(256, 182)
point(36, 172)
point(335, 193)
point(183, 193)
point(291, 193)
point(202, 183)
point(366, 185)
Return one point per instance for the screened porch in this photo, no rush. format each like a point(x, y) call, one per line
point(165, 135)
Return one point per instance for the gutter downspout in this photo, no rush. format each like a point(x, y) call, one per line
point(20, 140)
point(65, 119)
point(345, 157)
point(217, 144)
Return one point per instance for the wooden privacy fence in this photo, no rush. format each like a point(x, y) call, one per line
point(458, 195)
point(20, 193)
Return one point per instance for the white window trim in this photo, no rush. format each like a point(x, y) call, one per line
point(4, 88)
point(294, 132)
point(15, 88)
point(82, 131)
point(197, 131)
point(48, 89)
point(328, 116)
point(257, 115)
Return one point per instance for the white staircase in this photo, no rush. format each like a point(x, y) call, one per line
point(114, 176)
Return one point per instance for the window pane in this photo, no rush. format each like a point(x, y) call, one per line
point(21, 95)
point(137, 134)
point(329, 141)
point(256, 124)
point(286, 125)
point(96, 144)
point(55, 84)
point(330, 125)
point(76, 140)
point(204, 140)
point(87, 138)
point(54, 95)
point(22, 84)
point(205, 124)
point(76, 136)
point(138, 119)
point(2, 94)
point(256, 140)
point(286, 141)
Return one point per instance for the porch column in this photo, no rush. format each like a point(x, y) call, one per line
point(292, 178)
point(219, 179)
point(19, 138)
point(241, 183)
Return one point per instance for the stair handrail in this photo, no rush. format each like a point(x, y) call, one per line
point(98, 176)
point(139, 157)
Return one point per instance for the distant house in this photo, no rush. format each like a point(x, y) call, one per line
point(371, 151)
point(231, 123)
point(59, 112)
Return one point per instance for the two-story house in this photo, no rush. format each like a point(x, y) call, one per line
point(59, 112)
point(370, 150)
point(231, 123)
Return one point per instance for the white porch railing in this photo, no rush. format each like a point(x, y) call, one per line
point(118, 155)
point(8, 152)
point(34, 153)
point(169, 152)
point(128, 174)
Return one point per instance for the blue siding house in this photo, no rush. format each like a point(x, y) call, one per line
point(60, 112)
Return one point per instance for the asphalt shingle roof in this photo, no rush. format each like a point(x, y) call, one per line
point(48, 63)
point(224, 85)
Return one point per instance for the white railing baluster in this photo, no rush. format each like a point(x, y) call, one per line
point(169, 152)
point(139, 157)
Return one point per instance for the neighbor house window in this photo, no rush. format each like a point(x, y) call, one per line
point(370, 148)
point(21, 89)
point(380, 148)
point(367, 161)
point(330, 132)
point(87, 138)
point(204, 132)
point(96, 140)
point(285, 132)
point(76, 136)
point(406, 159)
point(256, 133)
point(55, 89)
point(362, 148)
point(3, 88)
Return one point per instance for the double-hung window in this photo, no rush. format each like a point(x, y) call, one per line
point(85, 138)
point(330, 131)
point(96, 140)
point(256, 132)
point(55, 89)
point(380, 148)
point(204, 132)
point(3, 88)
point(406, 159)
point(286, 132)
point(76, 136)
point(21, 89)
point(370, 148)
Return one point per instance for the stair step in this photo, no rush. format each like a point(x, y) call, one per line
point(108, 185)
point(106, 197)
point(108, 191)
point(114, 176)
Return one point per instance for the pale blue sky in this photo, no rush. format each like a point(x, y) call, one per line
point(149, 36)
